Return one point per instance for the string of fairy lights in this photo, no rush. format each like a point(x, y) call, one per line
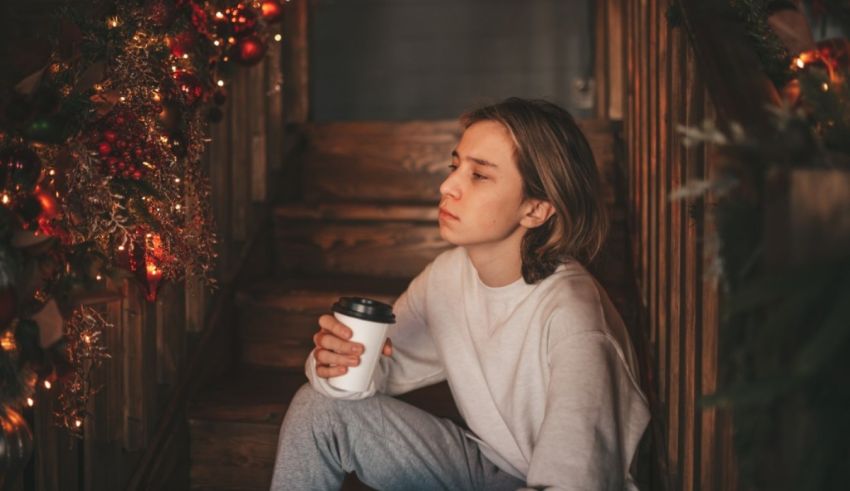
point(100, 176)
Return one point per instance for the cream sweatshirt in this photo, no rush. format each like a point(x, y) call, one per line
point(544, 375)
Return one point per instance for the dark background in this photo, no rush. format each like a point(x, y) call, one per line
point(432, 59)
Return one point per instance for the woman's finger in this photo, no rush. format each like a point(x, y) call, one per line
point(325, 357)
point(328, 372)
point(329, 341)
point(388, 348)
point(337, 328)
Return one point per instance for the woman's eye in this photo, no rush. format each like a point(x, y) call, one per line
point(478, 176)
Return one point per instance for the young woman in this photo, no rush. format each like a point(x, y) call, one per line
point(537, 358)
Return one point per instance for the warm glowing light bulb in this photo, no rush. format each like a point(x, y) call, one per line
point(47, 384)
point(219, 15)
point(120, 248)
point(216, 42)
point(30, 402)
point(52, 172)
point(220, 83)
point(98, 277)
point(185, 56)
point(800, 63)
point(278, 37)
point(825, 87)
point(177, 206)
point(177, 180)
point(122, 98)
point(78, 423)
point(6, 199)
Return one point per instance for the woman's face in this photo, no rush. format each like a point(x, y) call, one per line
point(481, 199)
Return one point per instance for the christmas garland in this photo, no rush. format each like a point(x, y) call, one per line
point(785, 330)
point(100, 176)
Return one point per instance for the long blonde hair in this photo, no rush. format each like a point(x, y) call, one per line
point(556, 165)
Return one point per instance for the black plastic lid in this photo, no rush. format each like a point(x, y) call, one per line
point(365, 308)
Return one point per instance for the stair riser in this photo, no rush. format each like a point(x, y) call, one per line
point(282, 336)
point(405, 161)
point(231, 455)
point(389, 249)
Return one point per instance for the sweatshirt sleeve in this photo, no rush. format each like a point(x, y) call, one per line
point(594, 417)
point(415, 361)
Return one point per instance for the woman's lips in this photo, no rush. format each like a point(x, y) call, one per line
point(445, 215)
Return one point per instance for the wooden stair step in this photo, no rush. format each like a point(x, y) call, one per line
point(390, 241)
point(234, 425)
point(404, 161)
point(277, 318)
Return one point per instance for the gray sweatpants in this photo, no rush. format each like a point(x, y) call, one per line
point(390, 444)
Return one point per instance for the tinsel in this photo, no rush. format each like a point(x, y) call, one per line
point(86, 351)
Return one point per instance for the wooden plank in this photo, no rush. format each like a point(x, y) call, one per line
point(273, 88)
point(113, 370)
point(240, 163)
point(136, 397)
point(405, 161)
point(708, 343)
point(653, 191)
point(677, 106)
point(694, 168)
point(601, 61)
point(645, 122)
point(170, 311)
point(358, 211)
point(257, 100)
point(218, 157)
point(405, 248)
point(296, 64)
point(616, 51)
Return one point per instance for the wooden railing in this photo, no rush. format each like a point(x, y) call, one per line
point(660, 65)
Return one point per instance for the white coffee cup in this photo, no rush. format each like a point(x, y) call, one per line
point(368, 320)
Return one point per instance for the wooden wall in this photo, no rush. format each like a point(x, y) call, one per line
point(653, 79)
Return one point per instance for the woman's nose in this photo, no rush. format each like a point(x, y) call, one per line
point(449, 187)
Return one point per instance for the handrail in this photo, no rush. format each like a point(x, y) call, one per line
point(734, 77)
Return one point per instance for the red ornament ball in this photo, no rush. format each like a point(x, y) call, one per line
point(250, 50)
point(110, 136)
point(104, 149)
point(272, 11)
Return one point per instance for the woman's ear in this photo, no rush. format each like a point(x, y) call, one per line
point(536, 213)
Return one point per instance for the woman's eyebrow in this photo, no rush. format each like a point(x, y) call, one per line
point(476, 160)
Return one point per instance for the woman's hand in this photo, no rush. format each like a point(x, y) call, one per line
point(334, 353)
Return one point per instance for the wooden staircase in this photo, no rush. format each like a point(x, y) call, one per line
point(366, 225)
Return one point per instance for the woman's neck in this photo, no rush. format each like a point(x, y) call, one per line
point(498, 264)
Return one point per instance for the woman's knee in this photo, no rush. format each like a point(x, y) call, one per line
point(308, 402)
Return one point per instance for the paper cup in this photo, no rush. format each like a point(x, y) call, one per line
point(368, 321)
